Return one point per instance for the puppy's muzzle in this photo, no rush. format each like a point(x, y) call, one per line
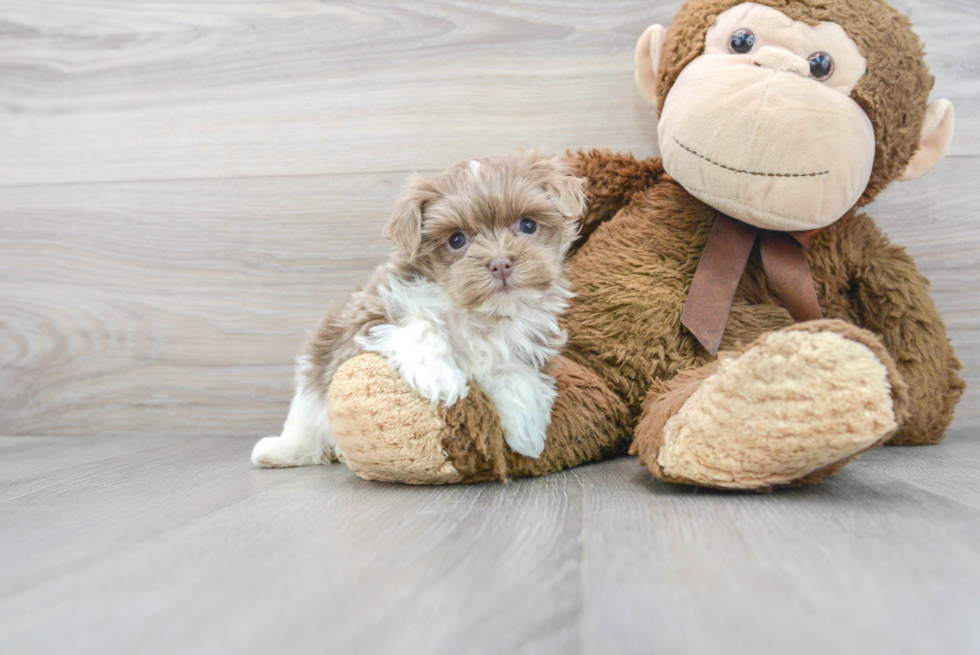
point(501, 268)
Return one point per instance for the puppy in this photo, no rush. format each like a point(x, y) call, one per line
point(473, 293)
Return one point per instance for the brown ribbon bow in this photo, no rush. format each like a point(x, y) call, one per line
point(725, 255)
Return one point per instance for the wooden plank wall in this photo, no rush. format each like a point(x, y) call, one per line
point(185, 185)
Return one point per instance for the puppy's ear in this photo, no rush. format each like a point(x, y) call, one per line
point(404, 228)
point(568, 194)
point(566, 191)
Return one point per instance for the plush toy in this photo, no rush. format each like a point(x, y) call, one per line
point(738, 322)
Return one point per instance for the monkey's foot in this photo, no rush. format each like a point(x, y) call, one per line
point(794, 407)
point(385, 429)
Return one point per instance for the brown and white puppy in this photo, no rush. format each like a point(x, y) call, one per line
point(473, 293)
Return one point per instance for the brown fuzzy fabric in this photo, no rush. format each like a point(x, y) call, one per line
point(893, 93)
point(589, 423)
point(889, 296)
point(612, 180)
point(665, 400)
point(633, 274)
point(473, 440)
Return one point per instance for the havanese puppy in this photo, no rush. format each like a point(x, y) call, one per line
point(473, 293)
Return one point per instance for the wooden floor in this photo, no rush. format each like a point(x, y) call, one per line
point(174, 545)
point(185, 185)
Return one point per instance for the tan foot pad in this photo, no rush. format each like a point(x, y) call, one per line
point(385, 429)
point(794, 404)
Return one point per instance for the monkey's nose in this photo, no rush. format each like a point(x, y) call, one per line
point(501, 267)
point(781, 60)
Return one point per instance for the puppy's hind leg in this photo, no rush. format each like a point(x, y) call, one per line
point(305, 439)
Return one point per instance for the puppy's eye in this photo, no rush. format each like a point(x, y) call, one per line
point(527, 226)
point(457, 241)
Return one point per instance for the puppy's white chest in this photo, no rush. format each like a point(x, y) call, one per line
point(479, 350)
point(427, 321)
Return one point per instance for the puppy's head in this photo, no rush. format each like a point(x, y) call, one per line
point(494, 231)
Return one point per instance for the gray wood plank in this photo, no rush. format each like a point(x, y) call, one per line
point(864, 563)
point(147, 307)
point(31, 463)
point(187, 549)
point(193, 551)
point(115, 90)
point(63, 518)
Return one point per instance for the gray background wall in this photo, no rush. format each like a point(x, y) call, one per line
point(185, 185)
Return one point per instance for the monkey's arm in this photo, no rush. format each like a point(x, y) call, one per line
point(613, 178)
point(891, 298)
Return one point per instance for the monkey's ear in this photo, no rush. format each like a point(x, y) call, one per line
point(404, 228)
point(648, 51)
point(937, 132)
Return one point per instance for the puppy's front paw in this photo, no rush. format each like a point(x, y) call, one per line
point(436, 380)
point(525, 429)
point(523, 401)
point(276, 452)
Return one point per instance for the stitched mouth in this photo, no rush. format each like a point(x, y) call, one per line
point(739, 170)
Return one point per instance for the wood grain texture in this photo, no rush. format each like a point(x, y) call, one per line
point(185, 186)
point(101, 91)
point(115, 90)
point(173, 307)
point(183, 548)
point(866, 562)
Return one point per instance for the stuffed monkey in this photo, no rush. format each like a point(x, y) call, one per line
point(739, 323)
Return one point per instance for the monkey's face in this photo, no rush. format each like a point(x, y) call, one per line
point(762, 127)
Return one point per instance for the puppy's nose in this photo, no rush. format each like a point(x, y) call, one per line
point(501, 267)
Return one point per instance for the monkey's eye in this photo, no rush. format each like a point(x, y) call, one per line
point(457, 241)
point(742, 43)
point(821, 66)
point(527, 226)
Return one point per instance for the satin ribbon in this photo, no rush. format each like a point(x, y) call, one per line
point(722, 264)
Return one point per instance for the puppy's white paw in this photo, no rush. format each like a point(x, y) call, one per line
point(523, 400)
point(436, 380)
point(525, 433)
point(276, 452)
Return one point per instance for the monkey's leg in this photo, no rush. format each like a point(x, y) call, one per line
point(388, 432)
point(792, 408)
